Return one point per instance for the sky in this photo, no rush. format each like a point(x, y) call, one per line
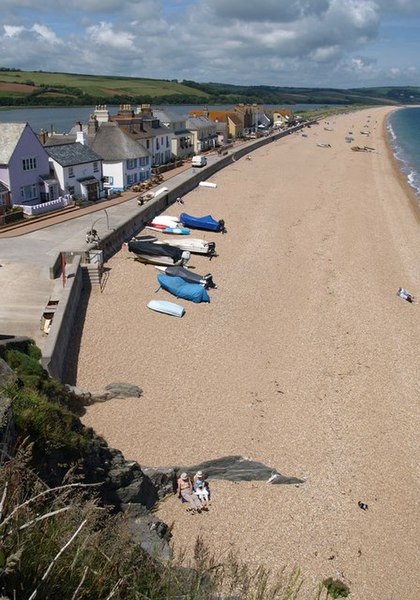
point(293, 43)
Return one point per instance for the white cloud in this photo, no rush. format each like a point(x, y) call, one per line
point(105, 34)
point(12, 30)
point(45, 34)
point(298, 42)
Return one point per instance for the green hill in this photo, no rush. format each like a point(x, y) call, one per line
point(39, 88)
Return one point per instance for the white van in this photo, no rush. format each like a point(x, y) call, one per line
point(199, 161)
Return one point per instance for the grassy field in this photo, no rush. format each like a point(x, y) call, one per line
point(96, 86)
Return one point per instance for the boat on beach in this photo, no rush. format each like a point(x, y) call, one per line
point(207, 223)
point(176, 230)
point(158, 254)
point(189, 276)
point(163, 221)
point(168, 308)
point(182, 289)
point(193, 245)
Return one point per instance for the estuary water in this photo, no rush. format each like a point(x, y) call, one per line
point(61, 120)
point(404, 137)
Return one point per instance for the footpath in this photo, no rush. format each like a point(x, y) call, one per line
point(74, 212)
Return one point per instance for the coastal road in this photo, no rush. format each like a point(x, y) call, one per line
point(27, 253)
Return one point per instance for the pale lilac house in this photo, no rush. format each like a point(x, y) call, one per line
point(24, 166)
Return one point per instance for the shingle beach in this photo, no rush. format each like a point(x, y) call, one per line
point(305, 359)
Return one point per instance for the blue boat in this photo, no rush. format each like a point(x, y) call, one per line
point(207, 222)
point(177, 230)
point(181, 289)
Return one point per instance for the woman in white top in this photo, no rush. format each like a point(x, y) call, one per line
point(201, 488)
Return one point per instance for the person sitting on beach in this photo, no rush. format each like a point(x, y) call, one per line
point(185, 491)
point(201, 488)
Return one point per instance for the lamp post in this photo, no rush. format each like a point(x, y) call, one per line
point(92, 234)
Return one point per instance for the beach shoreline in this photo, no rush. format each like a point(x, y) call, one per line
point(408, 190)
point(305, 359)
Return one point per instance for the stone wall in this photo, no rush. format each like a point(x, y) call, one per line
point(54, 352)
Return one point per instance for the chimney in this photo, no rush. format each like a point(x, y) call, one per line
point(146, 110)
point(93, 125)
point(101, 113)
point(81, 137)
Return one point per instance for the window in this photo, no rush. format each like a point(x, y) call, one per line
point(29, 164)
point(3, 197)
point(132, 179)
point(167, 142)
point(71, 172)
point(148, 144)
point(108, 179)
point(95, 167)
point(28, 192)
point(71, 189)
point(131, 163)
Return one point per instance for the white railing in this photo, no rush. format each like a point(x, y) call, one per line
point(45, 207)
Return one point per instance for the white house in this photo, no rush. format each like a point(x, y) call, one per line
point(78, 170)
point(125, 161)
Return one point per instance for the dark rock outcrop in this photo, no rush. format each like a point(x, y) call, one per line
point(113, 390)
point(123, 390)
point(239, 468)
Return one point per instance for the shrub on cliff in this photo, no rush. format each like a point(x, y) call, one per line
point(40, 411)
point(59, 543)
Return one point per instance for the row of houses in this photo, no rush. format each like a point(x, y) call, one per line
point(113, 152)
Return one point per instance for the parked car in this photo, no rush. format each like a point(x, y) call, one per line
point(199, 161)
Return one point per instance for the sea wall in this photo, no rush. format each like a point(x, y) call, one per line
point(54, 352)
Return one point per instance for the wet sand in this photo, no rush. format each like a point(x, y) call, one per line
point(305, 359)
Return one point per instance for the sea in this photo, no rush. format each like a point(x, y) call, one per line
point(404, 137)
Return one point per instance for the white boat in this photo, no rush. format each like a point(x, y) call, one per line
point(193, 245)
point(169, 308)
point(165, 220)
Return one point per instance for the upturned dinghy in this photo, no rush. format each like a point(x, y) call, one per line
point(181, 289)
point(169, 308)
point(166, 220)
point(158, 254)
point(189, 276)
point(162, 222)
point(207, 223)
